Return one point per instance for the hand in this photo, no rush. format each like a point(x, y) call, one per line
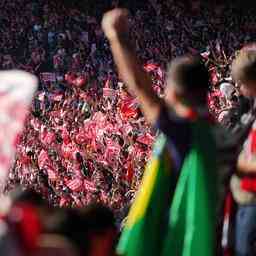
point(115, 22)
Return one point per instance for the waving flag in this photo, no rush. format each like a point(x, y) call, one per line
point(75, 184)
point(150, 67)
point(52, 175)
point(180, 221)
point(48, 77)
point(192, 219)
point(109, 93)
point(146, 139)
point(90, 186)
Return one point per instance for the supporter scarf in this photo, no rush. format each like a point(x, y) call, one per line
point(171, 217)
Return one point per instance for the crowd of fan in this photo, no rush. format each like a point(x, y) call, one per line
point(85, 139)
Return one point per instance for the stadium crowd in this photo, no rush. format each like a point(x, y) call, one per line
point(71, 110)
point(85, 140)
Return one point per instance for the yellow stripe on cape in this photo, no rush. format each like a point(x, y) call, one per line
point(141, 202)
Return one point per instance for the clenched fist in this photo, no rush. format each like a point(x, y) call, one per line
point(115, 22)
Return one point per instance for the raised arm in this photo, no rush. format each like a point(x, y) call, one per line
point(116, 28)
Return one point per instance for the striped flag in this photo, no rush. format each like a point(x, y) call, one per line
point(150, 67)
point(146, 139)
point(90, 186)
point(75, 184)
point(48, 77)
point(56, 96)
point(52, 175)
point(109, 93)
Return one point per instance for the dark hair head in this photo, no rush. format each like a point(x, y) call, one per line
point(244, 66)
point(190, 78)
point(81, 224)
point(27, 196)
point(98, 218)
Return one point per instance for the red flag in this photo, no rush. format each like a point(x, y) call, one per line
point(43, 159)
point(63, 201)
point(129, 109)
point(79, 81)
point(109, 93)
point(150, 67)
point(24, 159)
point(47, 137)
point(65, 136)
point(130, 173)
point(56, 97)
point(75, 184)
point(52, 175)
point(69, 150)
point(90, 186)
point(127, 128)
point(146, 139)
point(48, 77)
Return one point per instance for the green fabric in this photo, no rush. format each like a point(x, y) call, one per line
point(149, 212)
point(189, 229)
point(193, 211)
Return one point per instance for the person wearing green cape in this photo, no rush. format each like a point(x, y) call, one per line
point(174, 212)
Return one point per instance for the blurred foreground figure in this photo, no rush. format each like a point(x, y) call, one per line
point(16, 91)
point(243, 183)
point(31, 227)
point(175, 210)
point(92, 229)
point(25, 228)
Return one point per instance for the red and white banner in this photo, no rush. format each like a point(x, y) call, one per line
point(48, 77)
point(109, 93)
point(75, 184)
point(150, 67)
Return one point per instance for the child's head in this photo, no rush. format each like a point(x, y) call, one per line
point(244, 71)
point(187, 81)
